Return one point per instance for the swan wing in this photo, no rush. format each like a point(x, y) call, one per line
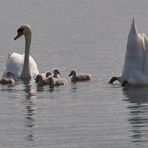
point(14, 64)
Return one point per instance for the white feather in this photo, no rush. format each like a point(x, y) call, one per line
point(135, 69)
point(15, 64)
point(22, 66)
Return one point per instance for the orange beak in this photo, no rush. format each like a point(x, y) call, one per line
point(18, 35)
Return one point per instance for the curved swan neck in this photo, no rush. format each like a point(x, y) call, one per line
point(27, 47)
point(26, 69)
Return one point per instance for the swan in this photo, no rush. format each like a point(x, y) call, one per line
point(42, 78)
point(22, 66)
point(48, 74)
point(135, 69)
point(9, 79)
point(43, 75)
point(56, 82)
point(56, 73)
point(57, 78)
point(41, 81)
point(78, 78)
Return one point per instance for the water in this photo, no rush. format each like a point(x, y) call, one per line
point(89, 36)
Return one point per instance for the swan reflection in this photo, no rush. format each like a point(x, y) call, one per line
point(138, 116)
point(30, 108)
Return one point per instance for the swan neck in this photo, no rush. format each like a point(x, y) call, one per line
point(26, 69)
point(27, 45)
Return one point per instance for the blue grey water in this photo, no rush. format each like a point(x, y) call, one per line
point(88, 36)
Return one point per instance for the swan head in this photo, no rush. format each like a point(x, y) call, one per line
point(23, 30)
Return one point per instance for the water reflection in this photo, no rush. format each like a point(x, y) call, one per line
point(44, 88)
point(138, 116)
point(30, 107)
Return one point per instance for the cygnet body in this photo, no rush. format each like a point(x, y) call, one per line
point(56, 82)
point(8, 79)
point(79, 78)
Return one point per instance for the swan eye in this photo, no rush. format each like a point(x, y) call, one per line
point(20, 30)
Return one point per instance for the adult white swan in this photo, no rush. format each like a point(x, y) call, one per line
point(135, 69)
point(22, 66)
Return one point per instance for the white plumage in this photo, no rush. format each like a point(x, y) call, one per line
point(135, 69)
point(15, 64)
point(22, 66)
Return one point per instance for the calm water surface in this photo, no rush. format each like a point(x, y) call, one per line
point(89, 36)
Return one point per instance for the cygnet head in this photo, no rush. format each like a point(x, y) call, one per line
point(9, 75)
point(38, 78)
point(56, 73)
point(72, 73)
point(23, 30)
point(48, 74)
